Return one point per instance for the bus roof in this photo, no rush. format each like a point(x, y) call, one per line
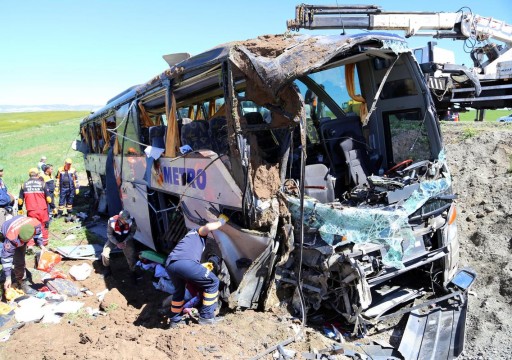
point(275, 59)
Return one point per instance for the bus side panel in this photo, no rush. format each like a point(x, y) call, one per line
point(136, 202)
point(96, 165)
point(134, 195)
point(200, 176)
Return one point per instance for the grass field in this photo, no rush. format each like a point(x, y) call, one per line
point(490, 115)
point(24, 137)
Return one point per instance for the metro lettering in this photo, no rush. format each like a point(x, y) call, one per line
point(184, 176)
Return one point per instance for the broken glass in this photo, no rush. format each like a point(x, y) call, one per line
point(386, 225)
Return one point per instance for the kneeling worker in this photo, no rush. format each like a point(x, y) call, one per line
point(184, 265)
point(120, 231)
point(17, 232)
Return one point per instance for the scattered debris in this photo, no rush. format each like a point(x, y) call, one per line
point(101, 294)
point(86, 291)
point(80, 272)
point(63, 286)
point(70, 237)
point(81, 252)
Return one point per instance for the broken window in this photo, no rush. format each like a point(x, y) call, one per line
point(407, 136)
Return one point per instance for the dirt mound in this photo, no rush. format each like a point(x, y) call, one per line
point(480, 158)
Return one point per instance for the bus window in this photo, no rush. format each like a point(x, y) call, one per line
point(128, 131)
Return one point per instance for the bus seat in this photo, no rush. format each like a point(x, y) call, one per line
point(219, 134)
point(357, 158)
point(157, 136)
point(332, 132)
point(318, 183)
point(195, 134)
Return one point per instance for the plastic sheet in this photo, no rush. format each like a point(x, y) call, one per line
point(48, 260)
point(80, 272)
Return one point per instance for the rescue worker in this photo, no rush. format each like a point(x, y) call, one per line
point(36, 198)
point(41, 163)
point(6, 199)
point(16, 233)
point(66, 186)
point(49, 183)
point(120, 231)
point(184, 266)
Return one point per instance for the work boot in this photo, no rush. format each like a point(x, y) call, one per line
point(211, 321)
point(25, 286)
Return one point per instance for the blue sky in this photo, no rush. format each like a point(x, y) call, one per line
point(85, 52)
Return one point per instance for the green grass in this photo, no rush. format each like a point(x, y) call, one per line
point(490, 115)
point(24, 137)
point(469, 133)
point(27, 136)
point(25, 120)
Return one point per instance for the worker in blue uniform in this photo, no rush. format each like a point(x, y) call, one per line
point(184, 266)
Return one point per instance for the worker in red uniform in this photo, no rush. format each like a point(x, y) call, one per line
point(184, 266)
point(36, 198)
point(16, 232)
point(67, 186)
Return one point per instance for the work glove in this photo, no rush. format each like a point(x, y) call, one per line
point(77, 191)
point(223, 219)
point(7, 283)
point(20, 212)
point(20, 202)
point(48, 200)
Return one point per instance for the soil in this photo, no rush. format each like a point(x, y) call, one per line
point(480, 159)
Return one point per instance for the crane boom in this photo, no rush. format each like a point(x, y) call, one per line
point(457, 25)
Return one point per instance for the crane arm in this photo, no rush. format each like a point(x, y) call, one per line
point(457, 25)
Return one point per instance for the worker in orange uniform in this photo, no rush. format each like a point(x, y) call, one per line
point(66, 186)
point(36, 198)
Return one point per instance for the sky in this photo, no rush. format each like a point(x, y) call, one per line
point(85, 52)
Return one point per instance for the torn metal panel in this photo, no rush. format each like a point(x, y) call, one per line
point(280, 66)
point(248, 292)
point(435, 334)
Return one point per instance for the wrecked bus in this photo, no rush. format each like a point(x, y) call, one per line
point(325, 153)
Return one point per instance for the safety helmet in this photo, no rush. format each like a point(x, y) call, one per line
point(68, 161)
point(124, 215)
point(33, 171)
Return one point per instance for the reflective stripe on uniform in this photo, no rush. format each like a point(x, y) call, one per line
point(177, 306)
point(210, 299)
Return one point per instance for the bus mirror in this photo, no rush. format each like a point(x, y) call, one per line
point(463, 279)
